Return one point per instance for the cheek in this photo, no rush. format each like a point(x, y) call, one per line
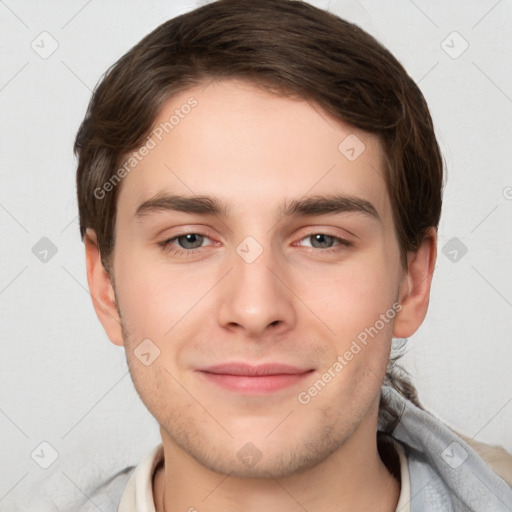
point(357, 304)
point(151, 382)
point(353, 296)
point(152, 297)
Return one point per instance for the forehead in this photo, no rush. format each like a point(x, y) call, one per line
point(253, 149)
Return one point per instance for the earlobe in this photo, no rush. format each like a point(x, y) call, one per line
point(101, 290)
point(415, 287)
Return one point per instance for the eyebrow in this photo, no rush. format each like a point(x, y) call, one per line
point(206, 205)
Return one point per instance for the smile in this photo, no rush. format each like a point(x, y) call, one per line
point(247, 379)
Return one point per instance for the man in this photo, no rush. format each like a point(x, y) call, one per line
point(259, 189)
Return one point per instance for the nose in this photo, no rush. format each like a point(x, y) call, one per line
point(256, 296)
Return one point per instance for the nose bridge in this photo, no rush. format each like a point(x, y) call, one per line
point(254, 296)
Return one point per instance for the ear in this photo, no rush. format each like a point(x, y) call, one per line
point(414, 291)
point(102, 291)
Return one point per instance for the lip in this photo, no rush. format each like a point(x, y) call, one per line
point(249, 379)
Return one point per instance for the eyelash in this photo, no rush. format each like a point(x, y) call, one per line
point(169, 248)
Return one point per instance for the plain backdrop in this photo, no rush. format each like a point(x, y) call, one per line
point(65, 385)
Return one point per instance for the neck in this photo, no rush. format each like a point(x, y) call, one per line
point(353, 478)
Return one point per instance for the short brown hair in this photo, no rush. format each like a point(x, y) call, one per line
point(287, 47)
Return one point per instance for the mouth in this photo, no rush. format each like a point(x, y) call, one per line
point(261, 379)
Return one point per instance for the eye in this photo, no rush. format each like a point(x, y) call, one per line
point(188, 243)
point(190, 240)
point(324, 242)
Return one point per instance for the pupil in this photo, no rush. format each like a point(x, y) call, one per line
point(189, 239)
point(322, 238)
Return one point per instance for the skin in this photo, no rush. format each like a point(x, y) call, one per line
point(294, 304)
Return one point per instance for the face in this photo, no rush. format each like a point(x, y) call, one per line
point(311, 290)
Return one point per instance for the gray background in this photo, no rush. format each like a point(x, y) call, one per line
point(64, 383)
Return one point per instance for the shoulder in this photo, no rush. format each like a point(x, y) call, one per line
point(444, 465)
point(496, 457)
point(105, 495)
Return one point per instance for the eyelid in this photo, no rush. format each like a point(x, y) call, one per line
point(168, 240)
point(335, 237)
point(187, 230)
point(324, 230)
